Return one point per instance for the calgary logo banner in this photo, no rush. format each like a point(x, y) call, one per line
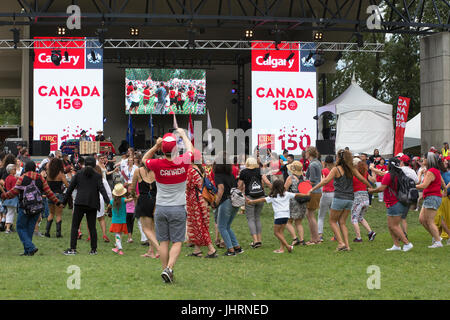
point(67, 90)
point(283, 98)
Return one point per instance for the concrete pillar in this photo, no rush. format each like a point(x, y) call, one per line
point(25, 88)
point(435, 90)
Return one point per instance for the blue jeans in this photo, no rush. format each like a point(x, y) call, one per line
point(225, 216)
point(25, 228)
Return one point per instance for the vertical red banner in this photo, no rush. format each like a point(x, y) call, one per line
point(400, 123)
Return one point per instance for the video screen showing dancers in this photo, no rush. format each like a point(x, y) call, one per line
point(165, 91)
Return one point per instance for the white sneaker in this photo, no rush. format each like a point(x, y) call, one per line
point(407, 247)
point(394, 248)
point(437, 244)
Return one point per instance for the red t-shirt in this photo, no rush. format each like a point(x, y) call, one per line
point(434, 189)
point(146, 94)
point(10, 182)
point(170, 179)
point(129, 89)
point(305, 164)
point(329, 187)
point(172, 94)
point(191, 94)
point(389, 196)
point(382, 168)
point(358, 185)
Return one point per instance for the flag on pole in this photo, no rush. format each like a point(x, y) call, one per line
point(226, 125)
point(130, 139)
point(209, 128)
point(191, 130)
point(175, 124)
point(150, 125)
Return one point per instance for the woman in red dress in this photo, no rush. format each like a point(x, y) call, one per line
point(197, 211)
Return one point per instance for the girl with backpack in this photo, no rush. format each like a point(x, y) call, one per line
point(432, 197)
point(342, 203)
point(251, 180)
point(280, 200)
point(395, 209)
point(297, 207)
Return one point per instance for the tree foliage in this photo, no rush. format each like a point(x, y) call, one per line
point(10, 111)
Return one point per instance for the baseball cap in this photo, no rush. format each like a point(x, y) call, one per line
point(169, 143)
point(433, 149)
point(399, 155)
point(404, 158)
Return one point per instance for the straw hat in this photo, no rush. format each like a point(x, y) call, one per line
point(119, 190)
point(251, 163)
point(295, 167)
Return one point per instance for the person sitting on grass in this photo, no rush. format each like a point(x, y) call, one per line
point(119, 215)
point(279, 199)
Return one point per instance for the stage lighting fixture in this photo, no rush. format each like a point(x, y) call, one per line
point(134, 31)
point(234, 82)
point(249, 34)
point(320, 60)
point(66, 56)
point(233, 91)
point(359, 39)
point(61, 31)
point(290, 56)
point(266, 56)
point(310, 55)
point(16, 36)
point(318, 35)
point(56, 57)
point(93, 55)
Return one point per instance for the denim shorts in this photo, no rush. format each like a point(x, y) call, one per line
point(398, 209)
point(341, 204)
point(280, 221)
point(432, 202)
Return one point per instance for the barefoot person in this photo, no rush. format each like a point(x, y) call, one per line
point(342, 203)
point(170, 213)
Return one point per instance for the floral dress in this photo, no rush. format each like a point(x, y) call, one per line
point(197, 210)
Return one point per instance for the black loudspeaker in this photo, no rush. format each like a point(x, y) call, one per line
point(41, 148)
point(12, 144)
point(326, 146)
point(139, 139)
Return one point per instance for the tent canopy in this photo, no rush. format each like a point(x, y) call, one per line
point(364, 123)
point(412, 133)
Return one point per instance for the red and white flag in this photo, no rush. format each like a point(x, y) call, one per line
point(191, 130)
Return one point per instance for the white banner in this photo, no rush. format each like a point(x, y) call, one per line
point(283, 101)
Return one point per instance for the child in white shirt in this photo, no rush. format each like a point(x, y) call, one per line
point(279, 199)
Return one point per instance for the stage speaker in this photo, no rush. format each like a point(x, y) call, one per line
point(326, 146)
point(139, 139)
point(40, 148)
point(11, 145)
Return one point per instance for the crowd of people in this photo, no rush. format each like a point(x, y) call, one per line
point(176, 94)
point(171, 197)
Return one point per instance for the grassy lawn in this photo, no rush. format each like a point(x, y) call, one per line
point(316, 272)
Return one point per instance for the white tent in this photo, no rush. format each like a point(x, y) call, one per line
point(363, 122)
point(412, 133)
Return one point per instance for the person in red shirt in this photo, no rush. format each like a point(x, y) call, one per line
point(431, 186)
point(191, 94)
point(327, 196)
point(172, 97)
point(304, 161)
point(361, 201)
point(129, 88)
point(170, 213)
point(382, 167)
point(10, 204)
point(146, 93)
point(395, 209)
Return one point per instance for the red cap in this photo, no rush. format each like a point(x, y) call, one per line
point(447, 158)
point(405, 158)
point(433, 149)
point(169, 143)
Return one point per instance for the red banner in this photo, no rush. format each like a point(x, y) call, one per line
point(400, 123)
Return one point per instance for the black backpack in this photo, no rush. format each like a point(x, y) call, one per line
point(32, 202)
point(407, 192)
point(255, 188)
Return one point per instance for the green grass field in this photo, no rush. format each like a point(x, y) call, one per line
point(187, 108)
point(316, 272)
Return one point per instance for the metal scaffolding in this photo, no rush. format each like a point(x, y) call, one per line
point(139, 44)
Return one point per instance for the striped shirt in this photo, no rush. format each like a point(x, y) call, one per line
point(31, 175)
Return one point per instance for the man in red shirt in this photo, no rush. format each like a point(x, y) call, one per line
point(170, 213)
